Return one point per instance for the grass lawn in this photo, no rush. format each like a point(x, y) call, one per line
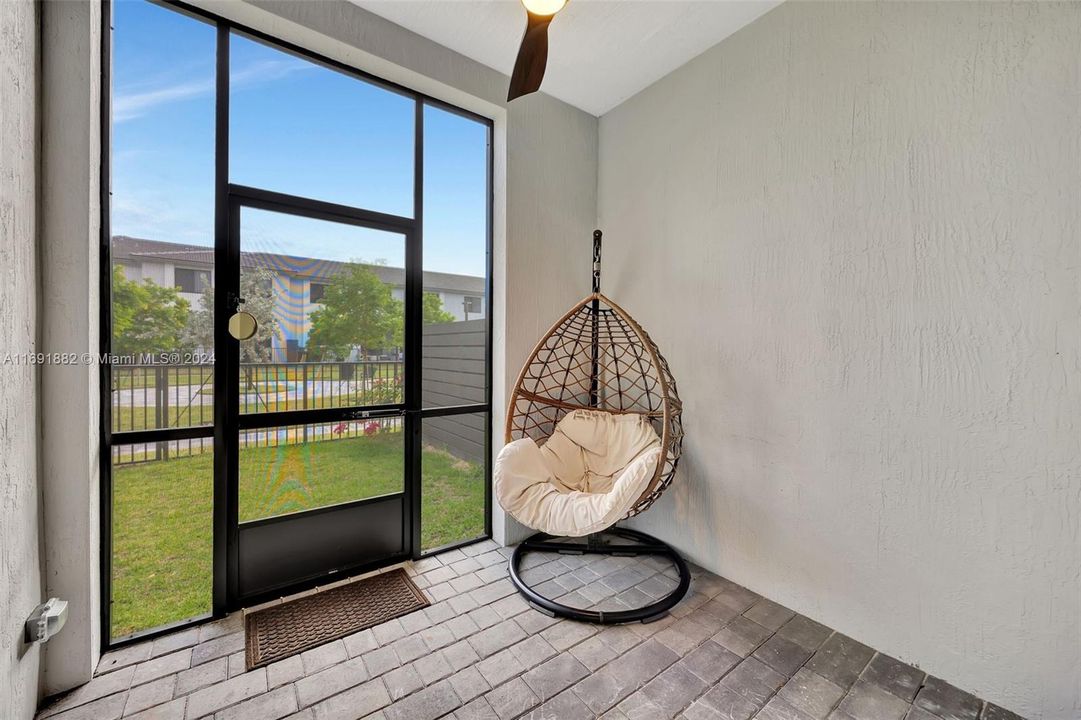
point(162, 512)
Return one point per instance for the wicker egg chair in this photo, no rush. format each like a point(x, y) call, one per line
point(598, 358)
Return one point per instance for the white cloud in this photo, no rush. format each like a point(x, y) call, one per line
point(128, 105)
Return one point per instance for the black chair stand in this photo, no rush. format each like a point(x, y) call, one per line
point(613, 541)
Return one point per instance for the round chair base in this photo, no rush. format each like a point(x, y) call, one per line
point(600, 544)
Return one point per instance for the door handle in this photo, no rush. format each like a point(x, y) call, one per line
point(365, 414)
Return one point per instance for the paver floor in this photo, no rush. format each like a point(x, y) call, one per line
point(479, 651)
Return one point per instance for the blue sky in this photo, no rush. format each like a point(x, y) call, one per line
point(295, 127)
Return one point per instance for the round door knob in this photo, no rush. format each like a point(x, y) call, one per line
point(243, 325)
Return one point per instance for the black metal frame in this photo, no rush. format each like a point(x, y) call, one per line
point(227, 419)
point(599, 544)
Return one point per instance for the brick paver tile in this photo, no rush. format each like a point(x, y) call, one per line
point(220, 646)
point(555, 675)
point(479, 652)
point(323, 656)
point(468, 684)
point(742, 636)
point(461, 626)
point(164, 665)
point(99, 687)
point(313, 688)
point(723, 703)
point(274, 705)
point(284, 671)
point(152, 693)
point(360, 643)
point(478, 709)
point(388, 632)
point(414, 622)
point(994, 712)
point(674, 689)
point(380, 661)
point(805, 632)
point(500, 667)
point(894, 676)
point(754, 680)
point(532, 651)
point(564, 706)
point(947, 701)
point(615, 681)
point(109, 707)
point(841, 660)
point(710, 661)
point(174, 641)
point(566, 634)
point(492, 640)
point(402, 681)
point(124, 657)
point(430, 703)
point(437, 636)
point(173, 710)
point(410, 648)
point(866, 701)
point(433, 667)
point(353, 703)
point(812, 693)
point(512, 699)
point(593, 653)
point(215, 697)
point(780, 709)
point(783, 655)
point(768, 614)
point(459, 655)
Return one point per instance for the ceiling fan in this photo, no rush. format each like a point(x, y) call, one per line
point(533, 52)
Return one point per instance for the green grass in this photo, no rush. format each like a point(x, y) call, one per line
point(163, 512)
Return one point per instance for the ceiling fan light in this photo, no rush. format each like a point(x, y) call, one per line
point(544, 7)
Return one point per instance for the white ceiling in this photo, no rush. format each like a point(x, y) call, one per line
point(600, 52)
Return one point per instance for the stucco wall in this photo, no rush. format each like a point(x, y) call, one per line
point(855, 231)
point(20, 494)
point(70, 417)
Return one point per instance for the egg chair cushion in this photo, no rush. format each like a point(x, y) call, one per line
point(584, 478)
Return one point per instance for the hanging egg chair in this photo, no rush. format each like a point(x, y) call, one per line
point(593, 435)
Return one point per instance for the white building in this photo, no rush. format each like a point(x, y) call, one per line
point(299, 282)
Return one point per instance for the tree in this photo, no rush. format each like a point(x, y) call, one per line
point(433, 310)
point(358, 312)
point(147, 318)
point(257, 289)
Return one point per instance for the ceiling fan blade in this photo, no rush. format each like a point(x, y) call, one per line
point(532, 57)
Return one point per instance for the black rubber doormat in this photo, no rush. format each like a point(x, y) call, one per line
point(279, 631)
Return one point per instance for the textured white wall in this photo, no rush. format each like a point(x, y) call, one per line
point(70, 442)
point(20, 496)
point(855, 231)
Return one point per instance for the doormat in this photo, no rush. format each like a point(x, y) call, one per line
point(279, 631)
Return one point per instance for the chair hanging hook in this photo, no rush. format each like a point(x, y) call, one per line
point(596, 261)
